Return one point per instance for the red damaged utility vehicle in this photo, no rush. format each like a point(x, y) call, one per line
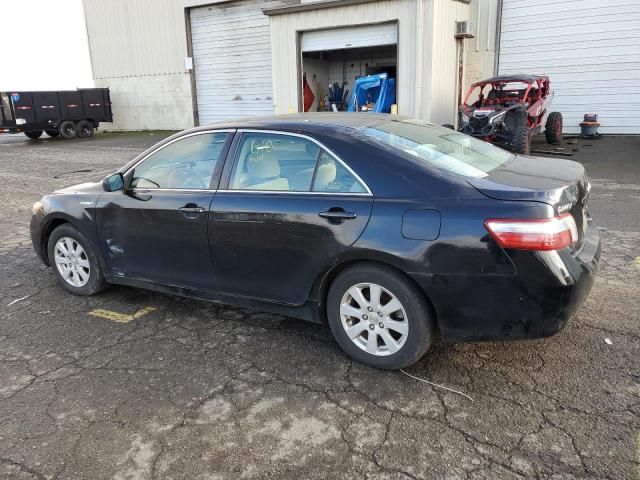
point(508, 110)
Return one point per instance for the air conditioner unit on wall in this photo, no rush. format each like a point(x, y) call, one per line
point(465, 29)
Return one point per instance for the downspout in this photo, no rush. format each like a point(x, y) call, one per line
point(420, 39)
point(460, 49)
point(496, 59)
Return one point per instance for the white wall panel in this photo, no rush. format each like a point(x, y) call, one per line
point(591, 51)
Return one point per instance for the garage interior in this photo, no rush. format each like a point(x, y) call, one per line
point(332, 61)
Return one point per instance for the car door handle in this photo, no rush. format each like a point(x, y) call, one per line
point(192, 209)
point(337, 215)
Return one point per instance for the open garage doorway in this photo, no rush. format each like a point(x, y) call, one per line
point(334, 59)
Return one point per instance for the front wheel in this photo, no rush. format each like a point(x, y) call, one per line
point(74, 261)
point(379, 317)
point(34, 134)
point(521, 142)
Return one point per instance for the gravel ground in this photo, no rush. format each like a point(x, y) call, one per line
point(201, 391)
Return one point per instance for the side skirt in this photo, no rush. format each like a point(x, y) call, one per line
point(307, 311)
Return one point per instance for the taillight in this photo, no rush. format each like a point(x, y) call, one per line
point(539, 234)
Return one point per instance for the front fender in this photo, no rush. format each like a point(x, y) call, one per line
point(76, 209)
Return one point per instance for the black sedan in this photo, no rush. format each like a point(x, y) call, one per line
point(394, 231)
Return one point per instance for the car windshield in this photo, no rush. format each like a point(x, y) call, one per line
point(440, 147)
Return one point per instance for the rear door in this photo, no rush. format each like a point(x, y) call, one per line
point(288, 207)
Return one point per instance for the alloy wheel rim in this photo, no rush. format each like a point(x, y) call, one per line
point(374, 319)
point(72, 262)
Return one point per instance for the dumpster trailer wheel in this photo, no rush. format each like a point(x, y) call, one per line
point(34, 134)
point(67, 129)
point(52, 133)
point(84, 129)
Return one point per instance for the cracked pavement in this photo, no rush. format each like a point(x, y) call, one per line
point(203, 391)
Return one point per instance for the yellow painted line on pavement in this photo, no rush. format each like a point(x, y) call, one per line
point(120, 317)
point(637, 262)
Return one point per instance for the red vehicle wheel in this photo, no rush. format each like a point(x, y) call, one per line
point(553, 128)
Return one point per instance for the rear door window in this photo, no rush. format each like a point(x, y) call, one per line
point(288, 163)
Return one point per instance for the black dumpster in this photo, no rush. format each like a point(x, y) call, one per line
point(65, 113)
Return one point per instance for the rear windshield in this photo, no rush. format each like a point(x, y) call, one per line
point(440, 147)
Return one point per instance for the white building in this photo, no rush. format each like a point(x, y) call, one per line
point(172, 64)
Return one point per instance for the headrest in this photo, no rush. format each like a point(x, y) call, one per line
point(263, 165)
point(325, 174)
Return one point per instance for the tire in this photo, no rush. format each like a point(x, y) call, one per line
point(86, 261)
point(414, 313)
point(34, 134)
point(84, 129)
point(521, 142)
point(67, 129)
point(52, 133)
point(553, 128)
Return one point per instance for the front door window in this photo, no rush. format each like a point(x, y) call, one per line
point(187, 163)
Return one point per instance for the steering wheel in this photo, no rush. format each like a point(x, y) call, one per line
point(182, 177)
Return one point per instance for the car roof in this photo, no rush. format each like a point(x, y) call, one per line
point(306, 122)
point(516, 77)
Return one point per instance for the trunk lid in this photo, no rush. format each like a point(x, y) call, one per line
point(562, 184)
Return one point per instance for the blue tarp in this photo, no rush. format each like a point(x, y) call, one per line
point(378, 89)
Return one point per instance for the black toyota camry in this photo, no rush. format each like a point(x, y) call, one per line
point(394, 231)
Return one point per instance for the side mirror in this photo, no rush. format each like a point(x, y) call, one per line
point(113, 183)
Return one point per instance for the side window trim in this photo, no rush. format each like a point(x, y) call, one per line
point(215, 177)
point(231, 155)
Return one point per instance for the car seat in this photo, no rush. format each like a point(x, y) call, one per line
point(264, 172)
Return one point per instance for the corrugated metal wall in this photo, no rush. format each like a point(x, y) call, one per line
point(591, 51)
point(133, 38)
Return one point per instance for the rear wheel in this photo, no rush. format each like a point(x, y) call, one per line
point(84, 129)
point(553, 128)
point(33, 134)
point(379, 317)
point(521, 142)
point(52, 133)
point(74, 261)
point(67, 129)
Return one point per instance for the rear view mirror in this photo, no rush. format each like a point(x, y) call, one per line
point(113, 183)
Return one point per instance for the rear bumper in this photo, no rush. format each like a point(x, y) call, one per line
point(537, 301)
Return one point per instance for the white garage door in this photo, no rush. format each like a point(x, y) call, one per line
point(232, 60)
point(350, 37)
point(589, 48)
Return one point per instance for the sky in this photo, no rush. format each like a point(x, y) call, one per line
point(44, 46)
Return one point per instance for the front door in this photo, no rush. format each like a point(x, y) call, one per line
point(156, 230)
point(289, 209)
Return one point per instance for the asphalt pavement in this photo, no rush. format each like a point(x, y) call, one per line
point(164, 387)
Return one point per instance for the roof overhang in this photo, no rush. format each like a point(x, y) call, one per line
point(320, 4)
